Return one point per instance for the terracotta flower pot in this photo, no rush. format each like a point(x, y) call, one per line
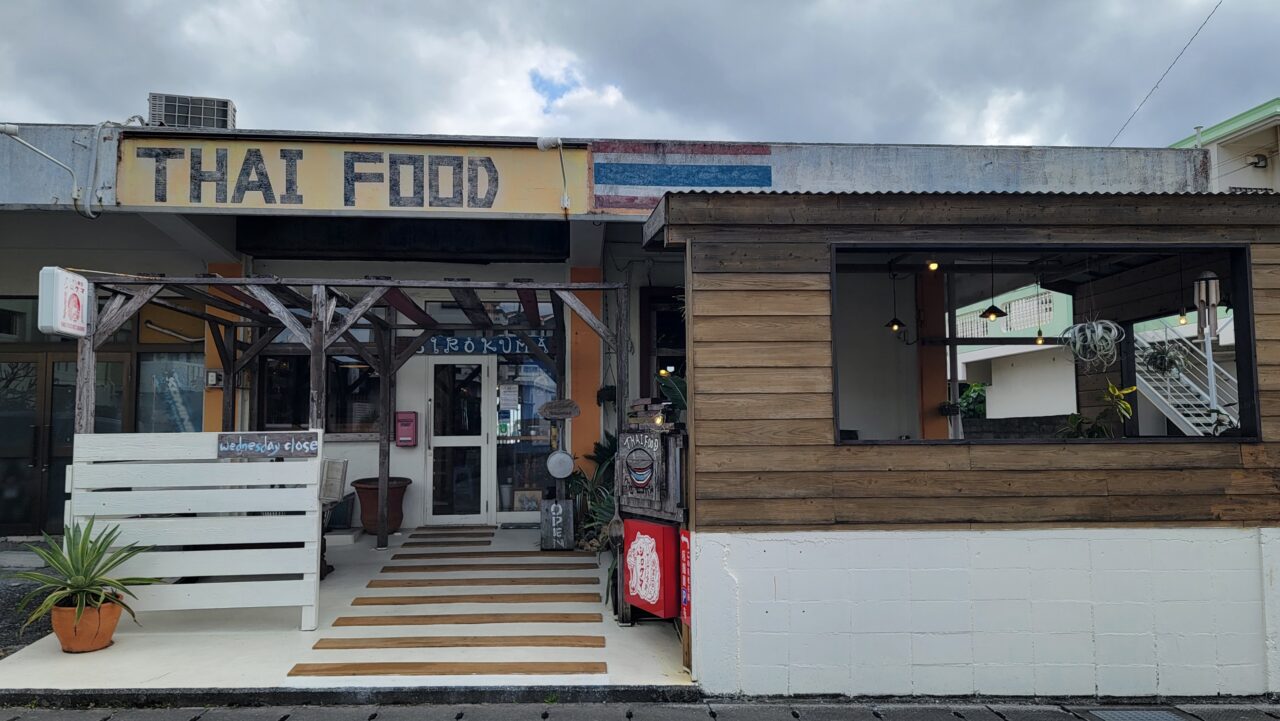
point(367, 492)
point(93, 632)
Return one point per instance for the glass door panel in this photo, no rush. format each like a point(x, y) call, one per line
point(460, 428)
point(524, 437)
point(111, 394)
point(21, 451)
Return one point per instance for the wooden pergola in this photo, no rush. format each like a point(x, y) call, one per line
point(245, 315)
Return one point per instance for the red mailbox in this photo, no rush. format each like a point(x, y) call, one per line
point(650, 559)
point(406, 429)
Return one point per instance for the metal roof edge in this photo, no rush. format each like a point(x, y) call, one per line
point(1232, 125)
point(325, 136)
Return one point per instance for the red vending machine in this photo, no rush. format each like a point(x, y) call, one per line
point(650, 559)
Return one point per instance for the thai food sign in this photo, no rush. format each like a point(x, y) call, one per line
point(294, 176)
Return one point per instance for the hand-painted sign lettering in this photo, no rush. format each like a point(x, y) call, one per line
point(482, 345)
point(299, 176)
point(268, 445)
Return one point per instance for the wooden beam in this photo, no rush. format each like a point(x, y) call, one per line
point(251, 353)
point(285, 316)
point(118, 279)
point(362, 349)
point(382, 336)
point(472, 307)
point(621, 356)
point(237, 294)
point(356, 312)
point(109, 324)
point(412, 349)
point(227, 349)
point(408, 308)
point(319, 365)
point(588, 317)
point(559, 343)
point(529, 302)
point(536, 351)
point(213, 301)
point(87, 367)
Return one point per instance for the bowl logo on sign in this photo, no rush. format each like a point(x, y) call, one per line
point(639, 465)
point(644, 569)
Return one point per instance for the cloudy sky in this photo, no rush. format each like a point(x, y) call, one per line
point(883, 71)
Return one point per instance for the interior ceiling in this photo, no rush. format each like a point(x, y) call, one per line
point(1059, 270)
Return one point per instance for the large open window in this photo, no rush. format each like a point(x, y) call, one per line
point(1043, 343)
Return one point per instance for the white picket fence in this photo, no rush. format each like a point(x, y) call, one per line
point(172, 492)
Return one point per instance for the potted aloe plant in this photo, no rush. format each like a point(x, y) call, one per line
point(83, 600)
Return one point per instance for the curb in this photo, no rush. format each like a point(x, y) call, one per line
point(133, 698)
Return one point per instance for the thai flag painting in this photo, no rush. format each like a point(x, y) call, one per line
point(632, 175)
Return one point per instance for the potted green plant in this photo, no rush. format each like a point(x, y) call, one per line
point(77, 590)
point(1116, 409)
point(1163, 360)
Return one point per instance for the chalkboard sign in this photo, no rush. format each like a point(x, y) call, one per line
point(557, 525)
point(303, 444)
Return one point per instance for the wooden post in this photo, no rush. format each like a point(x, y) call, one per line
point(87, 367)
point(228, 378)
point(622, 358)
point(319, 370)
point(386, 371)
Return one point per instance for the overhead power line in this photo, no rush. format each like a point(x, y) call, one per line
point(1166, 72)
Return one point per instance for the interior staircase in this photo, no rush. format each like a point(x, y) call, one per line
point(1182, 394)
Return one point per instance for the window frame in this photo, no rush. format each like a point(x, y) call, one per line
point(1241, 277)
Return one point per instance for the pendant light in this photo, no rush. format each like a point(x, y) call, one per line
point(895, 325)
point(1039, 324)
point(993, 312)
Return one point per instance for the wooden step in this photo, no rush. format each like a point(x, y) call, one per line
point(514, 581)
point(477, 598)
point(472, 527)
point(495, 554)
point(461, 642)
point(447, 568)
point(450, 668)
point(442, 619)
point(440, 544)
point(452, 534)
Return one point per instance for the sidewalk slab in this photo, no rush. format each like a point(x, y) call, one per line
point(935, 713)
point(158, 714)
point(835, 712)
point(751, 712)
point(1222, 712)
point(55, 714)
point(1033, 713)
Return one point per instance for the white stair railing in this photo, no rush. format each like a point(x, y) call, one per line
point(1180, 394)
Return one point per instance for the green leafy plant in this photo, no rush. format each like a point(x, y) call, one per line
point(1116, 409)
point(973, 402)
point(1162, 360)
point(675, 389)
point(594, 493)
point(78, 574)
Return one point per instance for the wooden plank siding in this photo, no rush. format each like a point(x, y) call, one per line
point(763, 451)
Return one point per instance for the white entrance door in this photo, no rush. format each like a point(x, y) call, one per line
point(461, 424)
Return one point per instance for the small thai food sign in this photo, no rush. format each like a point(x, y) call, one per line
point(301, 444)
point(302, 176)
point(64, 303)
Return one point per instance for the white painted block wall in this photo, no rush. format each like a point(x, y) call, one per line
point(1115, 612)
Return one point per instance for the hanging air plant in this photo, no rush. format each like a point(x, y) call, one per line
point(1094, 344)
point(1163, 360)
